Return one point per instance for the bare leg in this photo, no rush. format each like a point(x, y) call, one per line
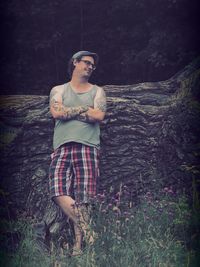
point(80, 218)
point(85, 225)
point(67, 204)
point(78, 240)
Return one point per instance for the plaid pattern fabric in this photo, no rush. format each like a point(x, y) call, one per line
point(74, 171)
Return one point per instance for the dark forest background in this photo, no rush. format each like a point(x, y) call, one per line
point(137, 40)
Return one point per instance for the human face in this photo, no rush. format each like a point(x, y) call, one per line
point(89, 63)
point(85, 66)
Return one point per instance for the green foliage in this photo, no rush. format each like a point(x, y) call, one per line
point(137, 40)
point(23, 251)
point(159, 231)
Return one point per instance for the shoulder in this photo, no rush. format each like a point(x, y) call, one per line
point(58, 89)
point(100, 91)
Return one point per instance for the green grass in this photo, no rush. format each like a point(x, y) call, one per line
point(161, 231)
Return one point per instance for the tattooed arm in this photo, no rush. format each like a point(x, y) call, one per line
point(98, 112)
point(58, 110)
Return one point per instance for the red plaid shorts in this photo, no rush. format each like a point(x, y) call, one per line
point(74, 171)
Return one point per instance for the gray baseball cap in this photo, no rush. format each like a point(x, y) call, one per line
point(86, 53)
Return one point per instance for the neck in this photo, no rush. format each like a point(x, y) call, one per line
point(79, 82)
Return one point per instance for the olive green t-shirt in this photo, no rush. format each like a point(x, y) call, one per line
point(74, 130)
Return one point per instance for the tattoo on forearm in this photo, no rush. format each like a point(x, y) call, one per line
point(67, 113)
point(79, 113)
point(85, 118)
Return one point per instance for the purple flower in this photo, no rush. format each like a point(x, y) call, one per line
point(110, 205)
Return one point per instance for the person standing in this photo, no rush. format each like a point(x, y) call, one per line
point(77, 107)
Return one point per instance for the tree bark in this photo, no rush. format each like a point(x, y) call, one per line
point(149, 140)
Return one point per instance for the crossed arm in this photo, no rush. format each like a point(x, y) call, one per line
point(81, 113)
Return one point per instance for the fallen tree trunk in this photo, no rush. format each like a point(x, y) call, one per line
point(149, 139)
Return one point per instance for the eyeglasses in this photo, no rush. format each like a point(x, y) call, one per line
point(88, 63)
